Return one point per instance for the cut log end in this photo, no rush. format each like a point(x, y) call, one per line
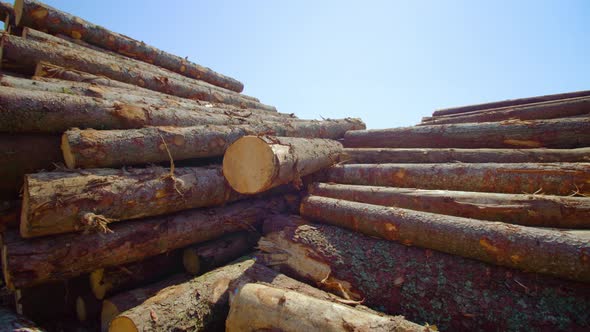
point(81, 311)
point(109, 311)
point(249, 165)
point(18, 11)
point(122, 324)
point(191, 261)
point(99, 289)
point(69, 157)
point(24, 225)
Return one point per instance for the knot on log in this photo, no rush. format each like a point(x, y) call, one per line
point(95, 223)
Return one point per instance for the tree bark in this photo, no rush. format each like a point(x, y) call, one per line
point(30, 52)
point(111, 280)
point(392, 155)
point(509, 102)
point(551, 178)
point(22, 154)
point(254, 164)
point(63, 202)
point(558, 133)
point(498, 243)
point(425, 286)
point(11, 322)
point(42, 17)
point(30, 262)
point(200, 258)
point(258, 307)
point(108, 148)
point(527, 210)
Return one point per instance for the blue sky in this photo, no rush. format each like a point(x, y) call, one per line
point(388, 62)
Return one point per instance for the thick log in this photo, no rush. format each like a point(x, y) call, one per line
point(107, 148)
point(259, 307)
point(22, 154)
point(527, 210)
point(551, 178)
point(392, 155)
point(509, 102)
point(426, 286)
point(497, 243)
point(111, 280)
point(200, 258)
point(30, 52)
point(40, 16)
point(557, 133)
point(62, 202)
point(11, 322)
point(70, 255)
point(254, 164)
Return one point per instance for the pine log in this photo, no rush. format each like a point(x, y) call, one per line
point(557, 133)
point(30, 52)
point(509, 102)
point(514, 246)
point(69, 255)
point(426, 286)
point(111, 280)
point(200, 258)
point(42, 17)
point(527, 210)
point(392, 155)
point(7, 15)
point(22, 154)
point(551, 178)
point(259, 307)
point(11, 322)
point(254, 164)
point(107, 148)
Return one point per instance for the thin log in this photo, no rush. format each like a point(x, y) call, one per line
point(90, 200)
point(43, 17)
point(528, 178)
point(514, 246)
point(426, 286)
point(254, 164)
point(527, 210)
point(557, 133)
point(30, 52)
point(259, 307)
point(70, 255)
point(11, 322)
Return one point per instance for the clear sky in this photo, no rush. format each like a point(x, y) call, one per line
point(388, 62)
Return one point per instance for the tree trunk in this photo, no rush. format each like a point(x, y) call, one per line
point(498, 243)
point(551, 179)
point(30, 262)
point(111, 280)
point(254, 164)
point(425, 286)
point(22, 154)
point(11, 322)
point(203, 257)
point(108, 148)
point(509, 102)
point(380, 156)
point(559, 134)
point(527, 210)
point(30, 52)
point(63, 202)
point(42, 17)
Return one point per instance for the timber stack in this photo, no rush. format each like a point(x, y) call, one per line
point(145, 192)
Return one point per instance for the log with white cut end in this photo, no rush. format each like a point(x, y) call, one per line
point(254, 164)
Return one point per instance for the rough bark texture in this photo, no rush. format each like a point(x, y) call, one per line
point(426, 286)
point(527, 210)
point(510, 102)
point(380, 156)
point(62, 202)
point(43, 17)
point(11, 322)
point(254, 164)
point(69, 255)
point(551, 178)
point(22, 154)
point(107, 148)
point(558, 133)
point(525, 248)
point(203, 257)
point(47, 70)
point(30, 52)
point(111, 280)
point(259, 307)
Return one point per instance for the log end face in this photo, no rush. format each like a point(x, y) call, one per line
point(249, 165)
point(108, 312)
point(69, 158)
point(122, 324)
point(18, 11)
point(81, 312)
point(191, 261)
point(97, 285)
point(24, 226)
